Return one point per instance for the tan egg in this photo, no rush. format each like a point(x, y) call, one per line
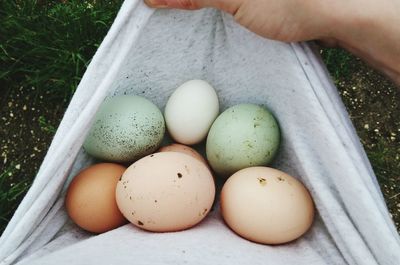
point(90, 199)
point(266, 205)
point(183, 149)
point(165, 192)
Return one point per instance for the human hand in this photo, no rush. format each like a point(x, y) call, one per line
point(368, 28)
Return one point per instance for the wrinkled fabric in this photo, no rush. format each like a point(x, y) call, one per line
point(150, 54)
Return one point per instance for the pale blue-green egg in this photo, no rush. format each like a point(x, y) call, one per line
point(125, 129)
point(242, 136)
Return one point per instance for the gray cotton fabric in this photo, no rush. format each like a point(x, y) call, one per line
point(150, 54)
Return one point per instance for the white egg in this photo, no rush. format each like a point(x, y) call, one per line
point(190, 111)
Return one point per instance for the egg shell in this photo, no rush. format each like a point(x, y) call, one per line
point(90, 199)
point(266, 205)
point(125, 129)
point(164, 192)
point(183, 149)
point(190, 111)
point(242, 136)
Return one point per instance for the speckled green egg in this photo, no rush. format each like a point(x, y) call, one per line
point(242, 136)
point(125, 129)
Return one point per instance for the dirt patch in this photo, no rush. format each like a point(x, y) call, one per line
point(27, 124)
point(373, 103)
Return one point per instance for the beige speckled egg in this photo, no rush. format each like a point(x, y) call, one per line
point(266, 205)
point(183, 149)
point(165, 192)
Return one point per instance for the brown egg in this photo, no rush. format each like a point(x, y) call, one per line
point(183, 149)
point(165, 192)
point(266, 205)
point(90, 199)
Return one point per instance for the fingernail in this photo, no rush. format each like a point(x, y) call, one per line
point(156, 3)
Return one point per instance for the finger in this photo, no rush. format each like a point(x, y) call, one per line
point(230, 6)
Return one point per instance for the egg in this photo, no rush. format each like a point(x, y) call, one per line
point(266, 205)
point(183, 149)
point(125, 129)
point(242, 136)
point(165, 192)
point(190, 111)
point(90, 199)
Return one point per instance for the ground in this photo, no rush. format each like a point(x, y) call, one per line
point(373, 103)
point(45, 47)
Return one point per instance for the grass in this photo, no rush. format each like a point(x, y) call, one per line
point(48, 44)
point(46, 126)
point(45, 47)
point(337, 62)
point(10, 195)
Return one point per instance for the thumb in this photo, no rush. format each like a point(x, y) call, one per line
point(230, 6)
